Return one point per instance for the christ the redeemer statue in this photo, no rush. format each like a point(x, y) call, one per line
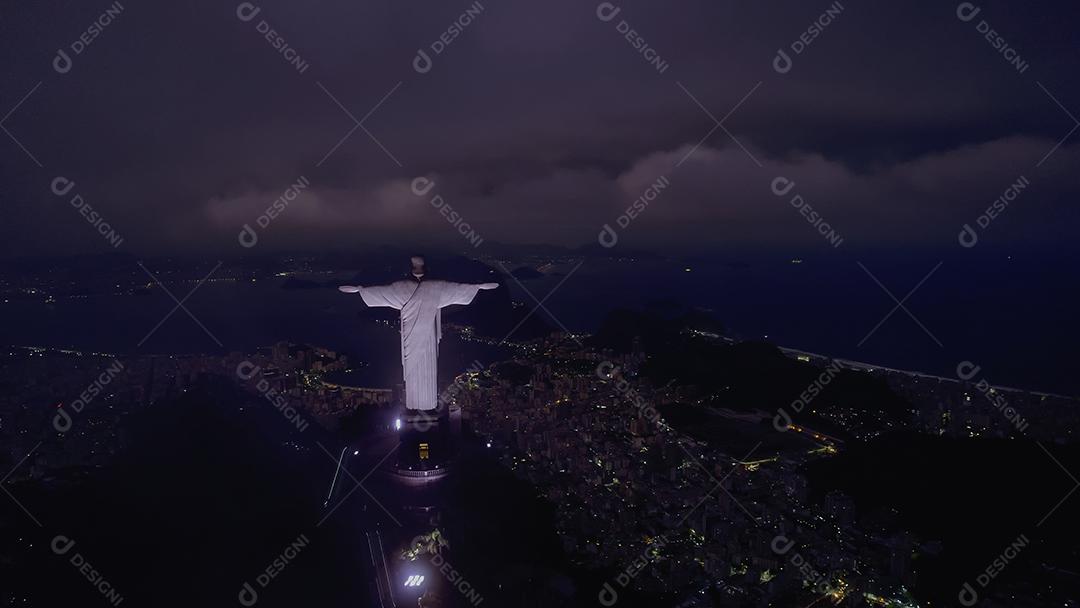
point(420, 302)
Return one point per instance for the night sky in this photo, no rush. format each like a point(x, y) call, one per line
point(539, 123)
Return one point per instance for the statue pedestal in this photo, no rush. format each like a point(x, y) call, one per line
point(426, 448)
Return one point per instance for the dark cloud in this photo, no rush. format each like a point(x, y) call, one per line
point(180, 123)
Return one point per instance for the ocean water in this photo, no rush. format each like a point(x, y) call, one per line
point(1015, 318)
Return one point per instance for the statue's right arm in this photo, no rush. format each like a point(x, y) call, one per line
point(378, 295)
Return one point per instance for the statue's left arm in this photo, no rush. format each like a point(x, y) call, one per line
point(461, 293)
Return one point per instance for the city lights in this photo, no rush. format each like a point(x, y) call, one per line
point(414, 580)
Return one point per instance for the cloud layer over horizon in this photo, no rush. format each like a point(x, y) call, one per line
point(538, 123)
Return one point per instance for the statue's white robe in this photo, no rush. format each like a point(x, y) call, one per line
point(420, 303)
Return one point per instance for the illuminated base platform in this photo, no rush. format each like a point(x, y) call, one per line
point(426, 475)
point(426, 448)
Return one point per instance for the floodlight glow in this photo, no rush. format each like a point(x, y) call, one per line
point(414, 580)
point(397, 424)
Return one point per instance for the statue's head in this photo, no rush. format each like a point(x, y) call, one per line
point(418, 266)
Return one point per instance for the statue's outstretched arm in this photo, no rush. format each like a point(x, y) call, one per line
point(381, 295)
point(460, 293)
